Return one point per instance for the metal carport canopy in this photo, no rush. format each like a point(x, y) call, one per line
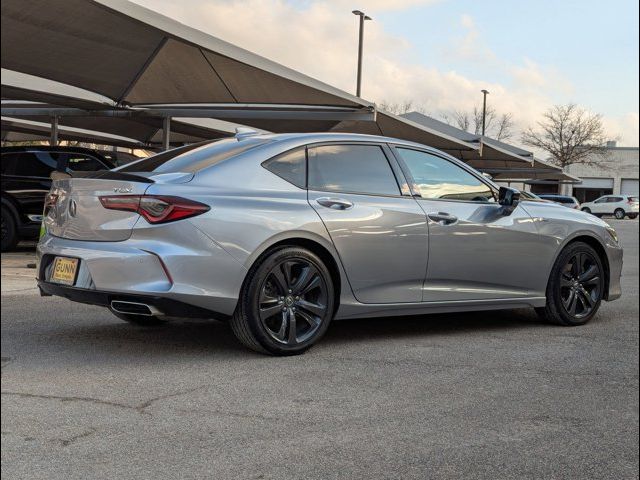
point(156, 60)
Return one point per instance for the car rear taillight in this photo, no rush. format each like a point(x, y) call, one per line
point(155, 208)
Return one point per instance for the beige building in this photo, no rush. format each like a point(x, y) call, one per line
point(615, 174)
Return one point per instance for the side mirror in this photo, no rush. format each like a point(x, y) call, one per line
point(508, 198)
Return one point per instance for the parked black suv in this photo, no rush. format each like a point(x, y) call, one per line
point(26, 181)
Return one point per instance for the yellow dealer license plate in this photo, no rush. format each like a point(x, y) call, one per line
point(64, 270)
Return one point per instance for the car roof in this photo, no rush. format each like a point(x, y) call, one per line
point(49, 148)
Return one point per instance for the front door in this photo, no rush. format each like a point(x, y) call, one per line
point(379, 233)
point(476, 252)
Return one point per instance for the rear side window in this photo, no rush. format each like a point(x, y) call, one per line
point(28, 164)
point(351, 169)
point(291, 166)
point(8, 163)
point(195, 157)
point(77, 162)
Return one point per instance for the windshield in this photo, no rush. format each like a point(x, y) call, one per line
point(195, 157)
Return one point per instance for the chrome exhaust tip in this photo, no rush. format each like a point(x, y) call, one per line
point(134, 308)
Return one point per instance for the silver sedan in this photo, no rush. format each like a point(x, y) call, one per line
point(280, 234)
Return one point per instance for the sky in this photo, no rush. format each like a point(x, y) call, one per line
point(439, 54)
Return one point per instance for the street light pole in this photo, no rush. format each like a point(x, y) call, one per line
point(363, 17)
point(484, 111)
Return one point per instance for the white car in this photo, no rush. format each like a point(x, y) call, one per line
point(617, 205)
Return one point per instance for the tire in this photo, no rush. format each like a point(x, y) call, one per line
point(569, 302)
point(586, 210)
point(141, 320)
point(632, 216)
point(619, 214)
point(286, 303)
point(9, 231)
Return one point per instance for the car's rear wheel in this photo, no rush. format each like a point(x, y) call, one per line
point(633, 216)
point(142, 320)
point(576, 286)
point(586, 210)
point(619, 214)
point(286, 304)
point(9, 231)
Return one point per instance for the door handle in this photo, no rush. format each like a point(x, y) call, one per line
point(335, 203)
point(443, 218)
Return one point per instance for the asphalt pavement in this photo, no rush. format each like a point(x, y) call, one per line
point(487, 395)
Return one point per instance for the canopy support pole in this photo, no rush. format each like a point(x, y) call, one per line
point(166, 133)
point(53, 139)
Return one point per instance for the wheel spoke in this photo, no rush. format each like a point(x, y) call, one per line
point(592, 282)
point(292, 327)
point(311, 320)
point(313, 283)
point(280, 280)
point(588, 274)
point(585, 297)
point(280, 334)
point(313, 308)
point(287, 269)
point(565, 281)
point(570, 302)
point(305, 282)
point(269, 310)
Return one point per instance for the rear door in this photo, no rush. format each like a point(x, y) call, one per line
point(379, 232)
point(476, 252)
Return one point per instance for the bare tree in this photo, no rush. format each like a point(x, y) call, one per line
point(570, 135)
point(498, 126)
point(400, 108)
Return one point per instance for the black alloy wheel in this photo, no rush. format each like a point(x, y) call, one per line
point(576, 286)
point(580, 285)
point(286, 304)
point(293, 301)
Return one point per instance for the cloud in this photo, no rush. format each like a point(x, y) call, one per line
point(319, 38)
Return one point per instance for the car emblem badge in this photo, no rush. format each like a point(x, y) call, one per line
point(122, 190)
point(73, 207)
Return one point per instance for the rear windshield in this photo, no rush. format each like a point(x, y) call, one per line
point(193, 158)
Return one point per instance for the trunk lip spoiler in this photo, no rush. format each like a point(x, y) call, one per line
point(111, 175)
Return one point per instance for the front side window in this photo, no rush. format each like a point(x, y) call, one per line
point(601, 200)
point(437, 178)
point(351, 169)
point(290, 166)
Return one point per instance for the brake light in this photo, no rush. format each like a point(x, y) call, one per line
point(154, 208)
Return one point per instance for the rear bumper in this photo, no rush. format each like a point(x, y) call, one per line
point(178, 265)
point(168, 307)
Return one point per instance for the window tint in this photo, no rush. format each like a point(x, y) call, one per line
point(615, 199)
point(351, 168)
point(291, 166)
point(77, 162)
point(29, 164)
point(436, 177)
point(8, 163)
point(601, 200)
point(195, 157)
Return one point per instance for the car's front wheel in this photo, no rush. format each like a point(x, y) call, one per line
point(633, 216)
point(286, 304)
point(619, 214)
point(576, 286)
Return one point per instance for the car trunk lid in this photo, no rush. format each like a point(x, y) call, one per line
point(73, 209)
